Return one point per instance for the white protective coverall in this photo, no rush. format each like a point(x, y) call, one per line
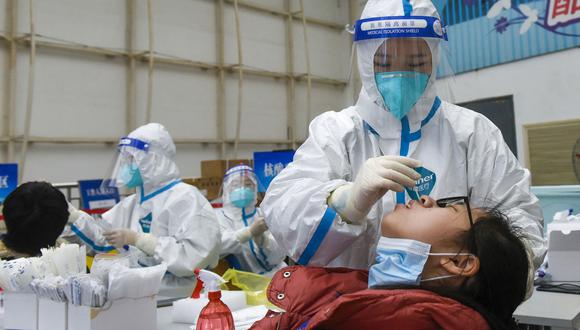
point(258, 254)
point(463, 152)
point(182, 225)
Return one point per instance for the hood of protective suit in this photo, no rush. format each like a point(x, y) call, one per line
point(157, 165)
point(370, 100)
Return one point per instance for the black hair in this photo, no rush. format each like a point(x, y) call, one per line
point(35, 214)
point(500, 285)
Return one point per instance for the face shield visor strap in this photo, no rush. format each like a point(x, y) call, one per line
point(399, 27)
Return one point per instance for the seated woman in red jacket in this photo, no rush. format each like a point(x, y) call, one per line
point(439, 265)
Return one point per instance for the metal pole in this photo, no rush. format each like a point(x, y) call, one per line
point(11, 26)
point(30, 90)
point(353, 14)
point(151, 61)
point(221, 92)
point(240, 78)
point(291, 84)
point(308, 71)
point(130, 111)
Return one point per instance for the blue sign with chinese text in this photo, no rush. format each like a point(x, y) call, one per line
point(93, 196)
point(8, 180)
point(268, 164)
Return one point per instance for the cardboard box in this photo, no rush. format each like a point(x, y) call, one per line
point(217, 168)
point(20, 311)
point(52, 315)
point(209, 187)
point(126, 314)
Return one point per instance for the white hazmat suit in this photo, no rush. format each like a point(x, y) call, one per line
point(172, 221)
point(247, 244)
point(461, 152)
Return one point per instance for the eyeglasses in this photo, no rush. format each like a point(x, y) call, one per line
point(460, 200)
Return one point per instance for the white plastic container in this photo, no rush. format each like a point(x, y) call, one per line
point(52, 315)
point(564, 251)
point(126, 314)
point(20, 311)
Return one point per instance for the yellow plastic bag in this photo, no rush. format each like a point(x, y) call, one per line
point(253, 285)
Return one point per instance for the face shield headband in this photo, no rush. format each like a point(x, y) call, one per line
point(135, 143)
point(399, 27)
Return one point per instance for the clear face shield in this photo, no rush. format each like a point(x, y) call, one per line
point(410, 55)
point(124, 171)
point(240, 187)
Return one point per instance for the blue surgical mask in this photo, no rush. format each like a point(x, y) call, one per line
point(401, 90)
point(242, 197)
point(130, 176)
point(401, 261)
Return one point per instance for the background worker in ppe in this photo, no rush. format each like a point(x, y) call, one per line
point(167, 220)
point(246, 242)
point(398, 142)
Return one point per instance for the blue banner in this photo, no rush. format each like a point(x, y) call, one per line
point(93, 196)
point(8, 180)
point(486, 33)
point(268, 164)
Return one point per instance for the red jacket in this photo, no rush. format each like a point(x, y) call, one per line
point(338, 298)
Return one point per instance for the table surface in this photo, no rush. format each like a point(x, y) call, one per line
point(543, 308)
point(550, 309)
point(164, 320)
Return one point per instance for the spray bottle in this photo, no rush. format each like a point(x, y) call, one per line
point(215, 315)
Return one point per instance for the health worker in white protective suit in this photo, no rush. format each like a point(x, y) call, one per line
point(167, 220)
point(247, 244)
point(398, 142)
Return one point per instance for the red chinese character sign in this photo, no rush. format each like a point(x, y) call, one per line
point(562, 12)
point(557, 14)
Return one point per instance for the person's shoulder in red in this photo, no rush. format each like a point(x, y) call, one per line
point(338, 298)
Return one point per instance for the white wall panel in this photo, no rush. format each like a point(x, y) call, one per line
point(324, 98)
point(184, 100)
point(66, 162)
point(81, 95)
point(544, 88)
point(263, 39)
point(329, 10)
point(189, 156)
point(264, 108)
point(96, 23)
point(184, 29)
point(74, 95)
point(329, 51)
point(275, 4)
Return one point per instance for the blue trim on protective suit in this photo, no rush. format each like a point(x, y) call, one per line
point(263, 263)
point(155, 193)
point(432, 112)
point(90, 242)
point(407, 137)
point(318, 237)
point(369, 128)
point(234, 262)
point(407, 7)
